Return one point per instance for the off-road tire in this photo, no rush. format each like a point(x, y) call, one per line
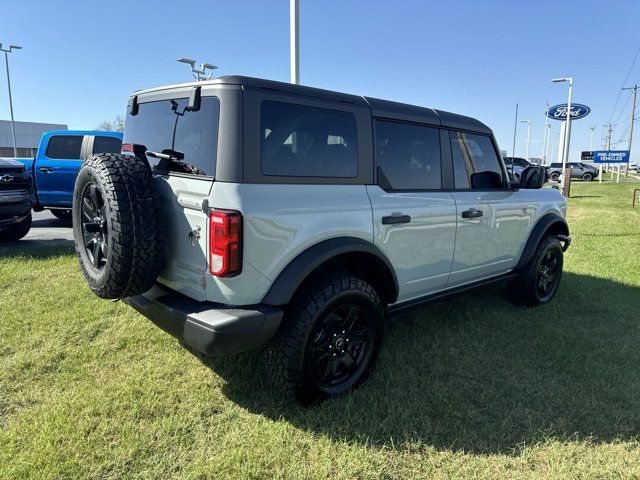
point(62, 214)
point(554, 177)
point(16, 231)
point(522, 290)
point(587, 177)
point(285, 356)
point(133, 212)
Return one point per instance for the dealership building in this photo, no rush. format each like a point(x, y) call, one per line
point(27, 137)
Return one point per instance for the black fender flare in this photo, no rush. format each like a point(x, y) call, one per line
point(289, 279)
point(548, 221)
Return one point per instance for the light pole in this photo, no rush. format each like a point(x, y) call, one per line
point(593, 129)
point(546, 152)
point(546, 131)
point(294, 40)
point(567, 130)
point(528, 122)
point(198, 74)
point(7, 51)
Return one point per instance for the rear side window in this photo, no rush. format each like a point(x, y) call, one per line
point(64, 147)
point(304, 141)
point(106, 144)
point(168, 125)
point(409, 155)
point(475, 163)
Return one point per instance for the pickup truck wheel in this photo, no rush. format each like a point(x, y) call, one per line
point(329, 340)
point(555, 176)
point(16, 231)
point(538, 282)
point(61, 214)
point(117, 225)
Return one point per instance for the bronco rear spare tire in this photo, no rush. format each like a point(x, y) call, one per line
point(117, 225)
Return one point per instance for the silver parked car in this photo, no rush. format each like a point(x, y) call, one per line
point(246, 213)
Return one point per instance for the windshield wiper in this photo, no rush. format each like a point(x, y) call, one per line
point(166, 154)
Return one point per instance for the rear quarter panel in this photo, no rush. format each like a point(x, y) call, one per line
point(279, 223)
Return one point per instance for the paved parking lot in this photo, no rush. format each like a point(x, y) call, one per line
point(48, 229)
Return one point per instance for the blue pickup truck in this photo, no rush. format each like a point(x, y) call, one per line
point(60, 155)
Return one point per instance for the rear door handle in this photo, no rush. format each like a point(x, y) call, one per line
point(394, 219)
point(472, 213)
point(45, 169)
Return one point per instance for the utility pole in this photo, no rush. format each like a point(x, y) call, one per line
point(294, 40)
point(6, 60)
point(608, 145)
point(634, 91)
point(609, 130)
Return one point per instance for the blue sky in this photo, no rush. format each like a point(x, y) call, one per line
point(81, 60)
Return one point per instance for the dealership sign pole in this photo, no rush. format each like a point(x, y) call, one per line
point(567, 112)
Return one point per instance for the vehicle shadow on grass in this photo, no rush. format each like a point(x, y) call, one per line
point(479, 375)
point(37, 249)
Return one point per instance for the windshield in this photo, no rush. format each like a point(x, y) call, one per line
point(168, 125)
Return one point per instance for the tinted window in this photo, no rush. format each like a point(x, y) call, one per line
point(409, 155)
point(472, 155)
point(303, 141)
point(65, 147)
point(168, 125)
point(106, 144)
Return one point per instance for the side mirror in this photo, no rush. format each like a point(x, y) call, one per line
point(533, 177)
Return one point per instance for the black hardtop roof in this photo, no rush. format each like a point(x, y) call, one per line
point(379, 108)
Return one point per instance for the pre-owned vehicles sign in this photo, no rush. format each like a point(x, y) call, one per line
point(611, 156)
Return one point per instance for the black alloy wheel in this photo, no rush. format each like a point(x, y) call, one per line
point(548, 275)
point(341, 345)
point(95, 232)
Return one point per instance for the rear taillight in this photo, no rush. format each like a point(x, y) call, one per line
point(127, 147)
point(225, 243)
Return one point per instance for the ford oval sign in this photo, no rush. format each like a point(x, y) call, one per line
point(559, 112)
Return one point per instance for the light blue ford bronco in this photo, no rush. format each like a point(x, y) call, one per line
point(247, 213)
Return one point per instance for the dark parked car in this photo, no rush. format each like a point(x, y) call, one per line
point(578, 170)
point(16, 200)
point(515, 165)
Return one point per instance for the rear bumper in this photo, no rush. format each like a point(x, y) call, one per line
point(209, 328)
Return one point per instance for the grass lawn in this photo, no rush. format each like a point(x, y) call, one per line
point(469, 387)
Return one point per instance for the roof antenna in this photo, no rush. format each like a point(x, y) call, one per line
point(201, 74)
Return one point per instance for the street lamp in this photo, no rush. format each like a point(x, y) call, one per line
point(528, 122)
point(567, 130)
point(198, 74)
point(593, 129)
point(6, 61)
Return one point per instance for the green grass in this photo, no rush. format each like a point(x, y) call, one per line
point(471, 387)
